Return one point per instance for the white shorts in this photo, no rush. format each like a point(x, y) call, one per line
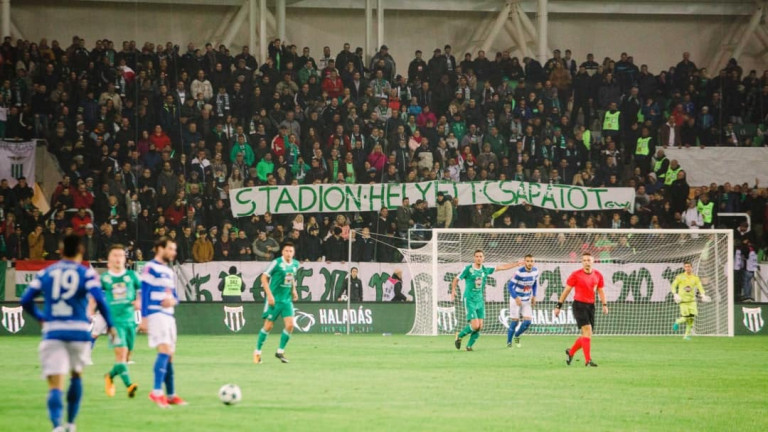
point(524, 310)
point(98, 325)
point(62, 357)
point(161, 329)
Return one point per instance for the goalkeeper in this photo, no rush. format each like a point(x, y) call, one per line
point(684, 289)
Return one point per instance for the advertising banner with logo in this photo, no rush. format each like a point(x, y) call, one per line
point(372, 197)
point(245, 318)
point(395, 318)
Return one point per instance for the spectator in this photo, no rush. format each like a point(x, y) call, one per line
point(202, 249)
point(335, 247)
point(691, 217)
point(36, 244)
point(265, 248)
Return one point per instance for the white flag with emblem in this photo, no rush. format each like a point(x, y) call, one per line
point(17, 159)
point(13, 318)
point(233, 318)
point(753, 319)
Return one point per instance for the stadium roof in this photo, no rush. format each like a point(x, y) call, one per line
point(629, 7)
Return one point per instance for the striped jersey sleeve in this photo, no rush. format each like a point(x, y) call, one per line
point(156, 280)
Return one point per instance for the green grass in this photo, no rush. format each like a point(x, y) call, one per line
point(399, 383)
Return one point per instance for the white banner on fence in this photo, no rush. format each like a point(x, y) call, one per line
point(17, 159)
point(319, 281)
point(722, 164)
point(372, 197)
point(316, 281)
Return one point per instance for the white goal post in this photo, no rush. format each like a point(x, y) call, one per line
point(638, 267)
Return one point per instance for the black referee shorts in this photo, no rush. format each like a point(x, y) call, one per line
point(584, 313)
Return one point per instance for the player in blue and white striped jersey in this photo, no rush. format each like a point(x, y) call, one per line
point(522, 297)
point(158, 298)
point(66, 346)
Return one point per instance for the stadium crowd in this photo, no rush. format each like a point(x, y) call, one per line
point(151, 140)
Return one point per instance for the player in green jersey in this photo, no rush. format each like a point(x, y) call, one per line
point(475, 276)
point(121, 287)
point(279, 284)
point(684, 289)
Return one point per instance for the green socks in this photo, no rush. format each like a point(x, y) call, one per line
point(262, 338)
point(122, 370)
point(473, 338)
point(467, 330)
point(284, 338)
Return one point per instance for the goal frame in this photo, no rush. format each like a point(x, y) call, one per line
point(435, 251)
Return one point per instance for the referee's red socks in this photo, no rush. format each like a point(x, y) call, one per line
point(576, 346)
point(582, 343)
point(586, 344)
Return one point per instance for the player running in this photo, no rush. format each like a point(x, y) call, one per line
point(684, 289)
point(279, 284)
point(121, 287)
point(158, 298)
point(522, 298)
point(475, 276)
point(66, 346)
point(584, 282)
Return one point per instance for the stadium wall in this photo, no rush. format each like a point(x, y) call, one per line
point(604, 35)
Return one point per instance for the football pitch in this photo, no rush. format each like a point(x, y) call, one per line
point(407, 383)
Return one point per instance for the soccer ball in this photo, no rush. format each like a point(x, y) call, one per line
point(230, 394)
point(343, 297)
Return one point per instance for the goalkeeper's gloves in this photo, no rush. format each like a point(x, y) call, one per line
point(676, 297)
point(705, 298)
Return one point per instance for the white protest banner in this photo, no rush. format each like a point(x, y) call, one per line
point(330, 198)
point(315, 281)
point(17, 159)
point(323, 282)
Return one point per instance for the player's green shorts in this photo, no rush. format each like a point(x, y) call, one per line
point(688, 309)
point(475, 309)
point(284, 309)
point(126, 335)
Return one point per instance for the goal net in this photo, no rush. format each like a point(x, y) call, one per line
point(638, 267)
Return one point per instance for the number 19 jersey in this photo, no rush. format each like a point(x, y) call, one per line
point(65, 286)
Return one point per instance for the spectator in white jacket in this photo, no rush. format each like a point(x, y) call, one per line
point(691, 217)
point(202, 85)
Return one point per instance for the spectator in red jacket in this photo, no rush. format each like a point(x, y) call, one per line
point(377, 159)
point(175, 213)
point(160, 139)
point(425, 116)
point(278, 142)
point(83, 198)
point(333, 85)
point(80, 221)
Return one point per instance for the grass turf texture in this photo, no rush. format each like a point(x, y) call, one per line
point(375, 383)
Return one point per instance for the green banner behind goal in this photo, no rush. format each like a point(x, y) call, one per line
point(638, 267)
